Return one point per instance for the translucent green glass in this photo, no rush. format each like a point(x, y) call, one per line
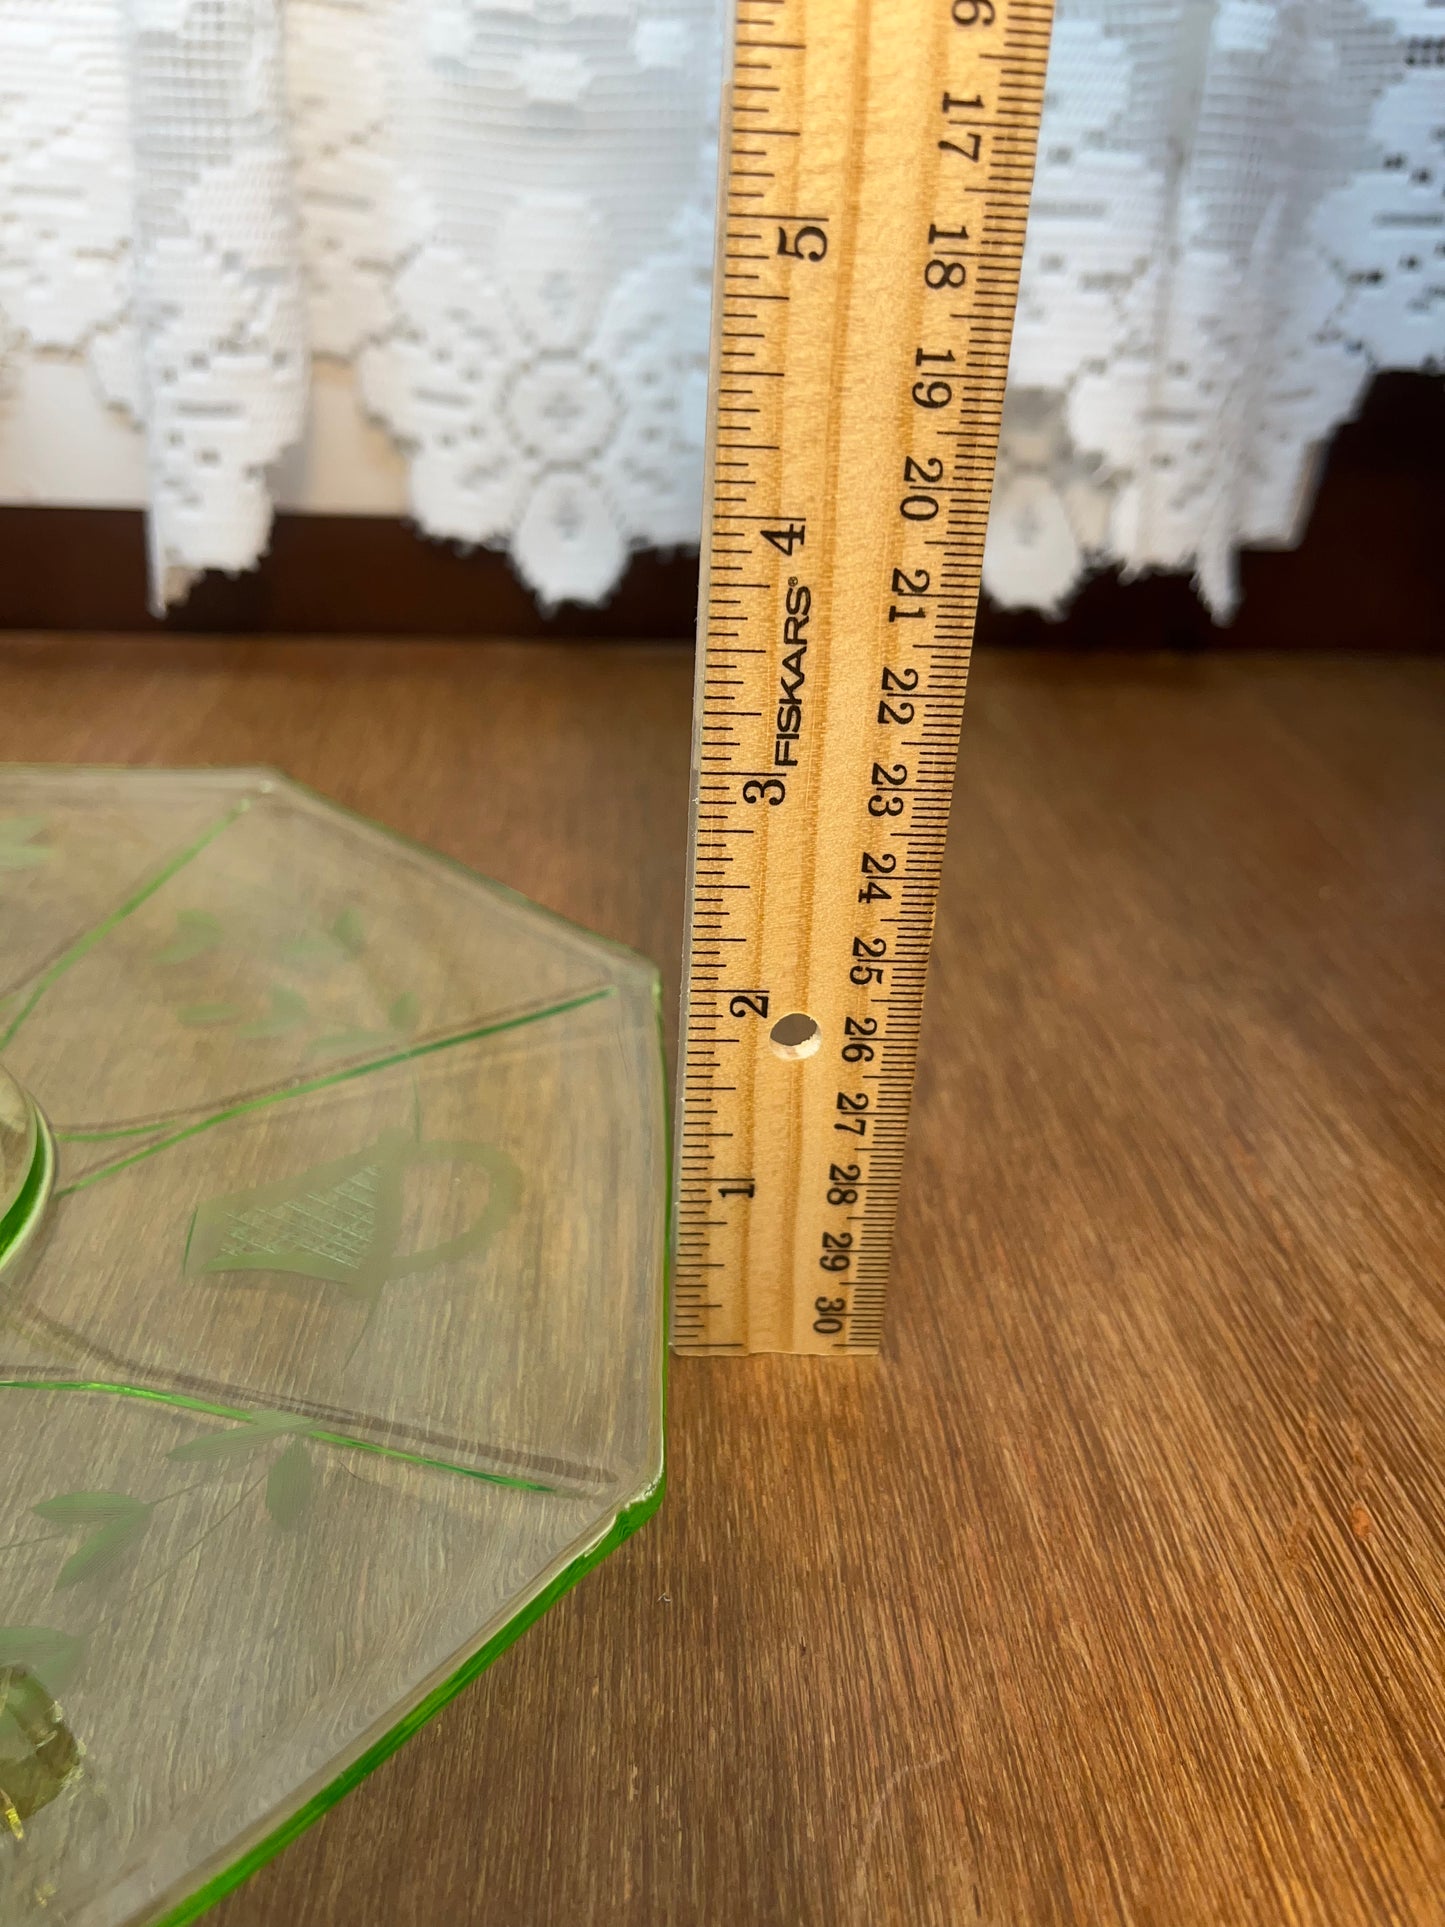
point(336, 1351)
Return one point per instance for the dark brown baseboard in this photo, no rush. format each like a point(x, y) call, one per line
point(1370, 573)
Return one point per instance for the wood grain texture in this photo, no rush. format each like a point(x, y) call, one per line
point(1113, 1591)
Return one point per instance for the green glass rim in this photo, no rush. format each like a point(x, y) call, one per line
point(22, 1212)
point(27, 1207)
point(224, 1878)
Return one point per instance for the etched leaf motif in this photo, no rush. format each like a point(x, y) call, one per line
point(239, 1441)
point(205, 1014)
point(305, 951)
point(119, 1519)
point(289, 1010)
point(18, 849)
point(89, 1508)
point(52, 1656)
point(288, 1487)
point(102, 1549)
point(20, 829)
point(197, 931)
point(348, 932)
point(405, 1012)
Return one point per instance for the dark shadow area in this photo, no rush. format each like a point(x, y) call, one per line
point(1370, 573)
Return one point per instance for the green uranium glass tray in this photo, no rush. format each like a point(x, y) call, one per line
point(332, 1248)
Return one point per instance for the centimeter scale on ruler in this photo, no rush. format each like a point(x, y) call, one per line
point(877, 161)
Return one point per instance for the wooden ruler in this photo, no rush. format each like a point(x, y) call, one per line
point(878, 156)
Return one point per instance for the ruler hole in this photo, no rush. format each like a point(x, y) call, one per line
point(796, 1035)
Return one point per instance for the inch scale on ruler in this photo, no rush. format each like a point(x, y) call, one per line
point(877, 161)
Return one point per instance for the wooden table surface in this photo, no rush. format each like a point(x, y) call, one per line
point(1114, 1591)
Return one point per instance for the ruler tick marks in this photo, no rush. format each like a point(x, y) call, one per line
point(850, 542)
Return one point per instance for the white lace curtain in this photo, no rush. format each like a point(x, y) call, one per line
point(498, 214)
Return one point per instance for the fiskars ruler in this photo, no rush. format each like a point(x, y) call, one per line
point(877, 161)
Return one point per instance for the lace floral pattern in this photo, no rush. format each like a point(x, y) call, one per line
point(1237, 219)
point(506, 223)
point(500, 216)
